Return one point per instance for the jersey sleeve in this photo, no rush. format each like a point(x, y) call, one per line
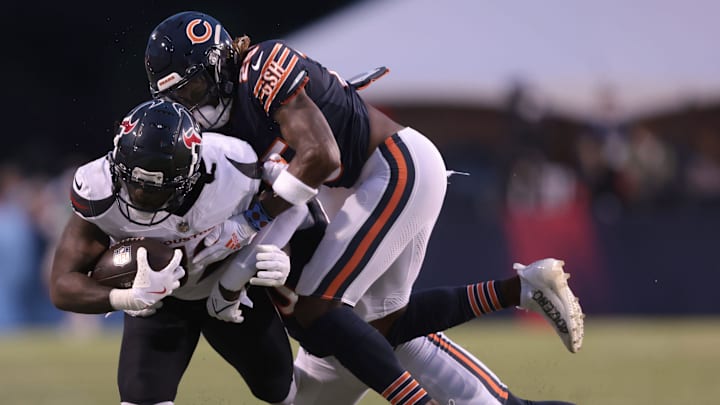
point(91, 189)
point(275, 73)
point(238, 169)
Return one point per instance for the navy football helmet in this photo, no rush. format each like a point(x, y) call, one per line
point(156, 161)
point(190, 59)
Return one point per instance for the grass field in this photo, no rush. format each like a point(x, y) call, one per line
point(623, 361)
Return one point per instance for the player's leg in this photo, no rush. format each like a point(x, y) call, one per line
point(460, 379)
point(450, 374)
point(324, 381)
point(396, 198)
point(441, 308)
point(541, 287)
point(258, 348)
point(156, 350)
point(453, 375)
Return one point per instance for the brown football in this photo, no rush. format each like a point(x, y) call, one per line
point(117, 266)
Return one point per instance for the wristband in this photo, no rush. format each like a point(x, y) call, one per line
point(292, 189)
point(122, 299)
point(256, 216)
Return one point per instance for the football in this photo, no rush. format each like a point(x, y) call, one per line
point(117, 266)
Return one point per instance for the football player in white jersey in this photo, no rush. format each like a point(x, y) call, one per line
point(165, 180)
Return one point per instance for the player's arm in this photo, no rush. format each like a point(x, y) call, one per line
point(81, 245)
point(317, 155)
point(307, 131)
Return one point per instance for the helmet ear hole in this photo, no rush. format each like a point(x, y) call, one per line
point(213, 57)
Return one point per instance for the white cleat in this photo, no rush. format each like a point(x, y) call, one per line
point(544, 289)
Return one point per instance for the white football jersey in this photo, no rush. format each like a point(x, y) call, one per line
point(236, 181)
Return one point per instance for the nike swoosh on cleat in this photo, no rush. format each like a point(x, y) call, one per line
point(256, 65)
point(77, 184)
point(164, 290)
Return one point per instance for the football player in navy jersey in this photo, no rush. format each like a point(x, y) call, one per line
point(165, 180)
point(284, 103)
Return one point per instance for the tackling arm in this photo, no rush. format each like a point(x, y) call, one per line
point(317, 155)
point(238, 271)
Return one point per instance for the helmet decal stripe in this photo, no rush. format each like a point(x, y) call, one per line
point(198, 39)
point(218, 32)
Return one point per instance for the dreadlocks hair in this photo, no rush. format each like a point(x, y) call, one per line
point(241, 44)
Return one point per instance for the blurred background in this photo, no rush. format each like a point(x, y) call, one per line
point(591, 132)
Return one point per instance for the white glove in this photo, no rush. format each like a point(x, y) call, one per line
point(144, 313)
point(149, 286)
point(272, 168)
point(224, 310)
point(274, 266)
point(224, 240)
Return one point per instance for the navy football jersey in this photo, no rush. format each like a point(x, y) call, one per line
point(271, 74)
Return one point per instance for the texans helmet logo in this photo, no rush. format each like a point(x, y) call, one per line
point(127, 126)
point(190, 138)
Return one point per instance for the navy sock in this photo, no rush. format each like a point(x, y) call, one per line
point(365, 352)
point(439, 309)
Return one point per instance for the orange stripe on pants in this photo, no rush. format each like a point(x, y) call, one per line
point(462, 358)
point(366, 242)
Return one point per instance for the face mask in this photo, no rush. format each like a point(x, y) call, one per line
point(211, 117)
point(137, 216)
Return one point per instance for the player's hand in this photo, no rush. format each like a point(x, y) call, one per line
point(273, 266)
point(149, 286)
point(144, 313)
point(224, 240)
point(272, 168)
point(224, 310)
